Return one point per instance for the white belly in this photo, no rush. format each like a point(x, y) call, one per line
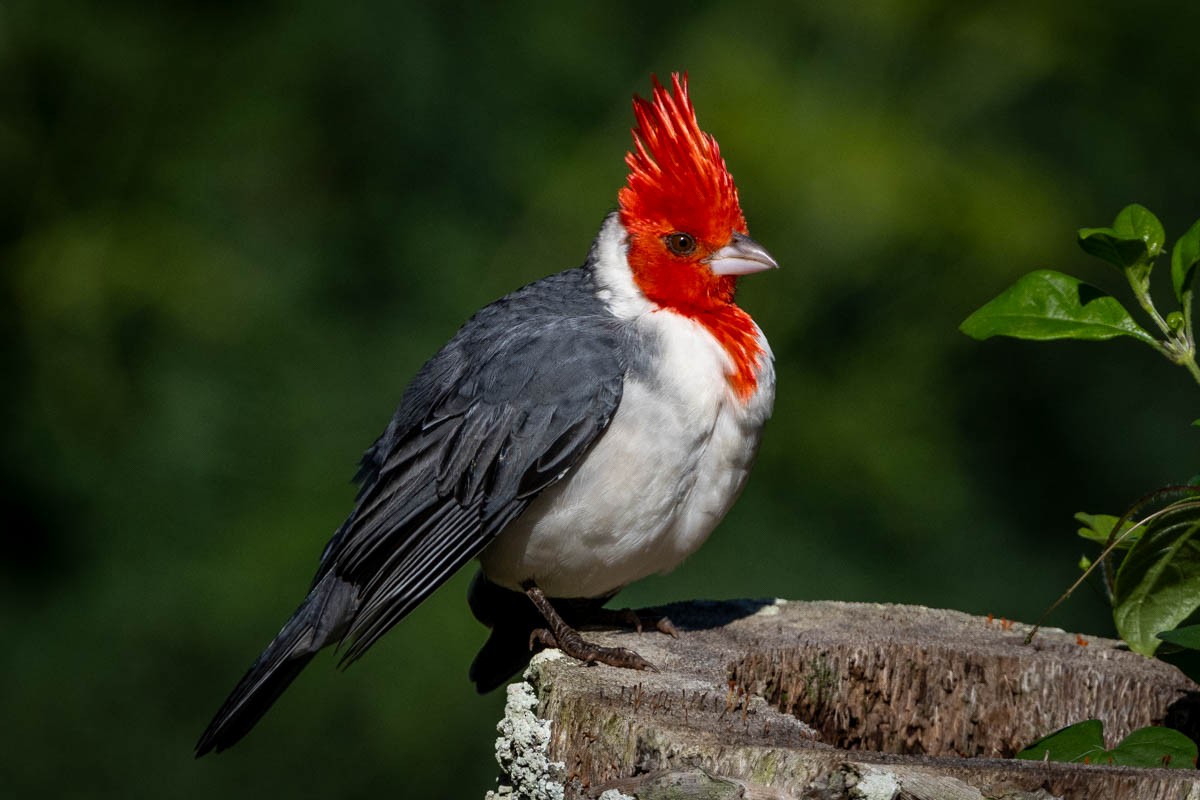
point(672, 462)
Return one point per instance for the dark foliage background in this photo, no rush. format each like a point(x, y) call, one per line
point(230, 232)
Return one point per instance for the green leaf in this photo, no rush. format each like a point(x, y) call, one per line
point(1157, 585)
point(1047, 305)
point(1138, 221)
point(1132, 243)
point(1105, 244)
point(1098, 528)
point(1188, 637)
point(1153, 747)
point(1185, 255)
point(1083, 740)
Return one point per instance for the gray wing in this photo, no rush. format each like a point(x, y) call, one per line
point(497, 416)
point(504, 410)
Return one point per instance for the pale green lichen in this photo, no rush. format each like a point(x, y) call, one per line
point(876, 785)
point(771, 609)
point(523, 751)
point(764, 768)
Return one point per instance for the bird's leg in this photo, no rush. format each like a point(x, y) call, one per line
point(630, 618)
point(567, 639)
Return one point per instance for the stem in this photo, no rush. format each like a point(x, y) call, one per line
point(1190, 364)
point(1189, 339)
point(1179, 346)
point(1178, 349)
point(1142, 293)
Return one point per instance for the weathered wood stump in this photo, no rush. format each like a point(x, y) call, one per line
point(765, 699)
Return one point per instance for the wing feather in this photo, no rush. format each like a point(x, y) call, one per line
point(515, 408)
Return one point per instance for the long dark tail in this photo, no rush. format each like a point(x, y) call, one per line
point(319, 621)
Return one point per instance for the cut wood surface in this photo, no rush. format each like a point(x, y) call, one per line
point(773, 699)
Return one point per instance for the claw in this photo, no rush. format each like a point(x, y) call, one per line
point(631, 619)
point(665, 625)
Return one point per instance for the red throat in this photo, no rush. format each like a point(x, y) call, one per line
point(739, 336)
point(678, 183)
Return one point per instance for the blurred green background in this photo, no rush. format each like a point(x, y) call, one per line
point(230, 233)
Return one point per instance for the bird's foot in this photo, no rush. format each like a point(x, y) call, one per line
point(567, 639)
point(574, 645)
point(630, 618)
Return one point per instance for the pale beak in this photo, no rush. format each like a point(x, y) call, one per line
point(741, 256)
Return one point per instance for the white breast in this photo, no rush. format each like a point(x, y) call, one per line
point(672, 462)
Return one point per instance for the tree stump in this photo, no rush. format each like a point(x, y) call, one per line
point(776, 699)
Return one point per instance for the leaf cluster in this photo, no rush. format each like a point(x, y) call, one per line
point(1046, 304)
point(1155, 586)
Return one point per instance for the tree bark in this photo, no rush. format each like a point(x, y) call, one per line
point(766, 699)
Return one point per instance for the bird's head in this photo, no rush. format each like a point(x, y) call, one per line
point(687, 235)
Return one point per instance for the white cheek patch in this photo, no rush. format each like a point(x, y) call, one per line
point(613, 276)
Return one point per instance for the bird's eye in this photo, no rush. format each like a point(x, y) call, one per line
point(681, 244)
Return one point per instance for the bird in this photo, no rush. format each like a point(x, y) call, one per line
point(580, 433)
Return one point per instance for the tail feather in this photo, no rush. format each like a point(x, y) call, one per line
point(319, 621)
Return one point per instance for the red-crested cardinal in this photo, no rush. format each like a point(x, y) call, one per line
point(581, 433)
